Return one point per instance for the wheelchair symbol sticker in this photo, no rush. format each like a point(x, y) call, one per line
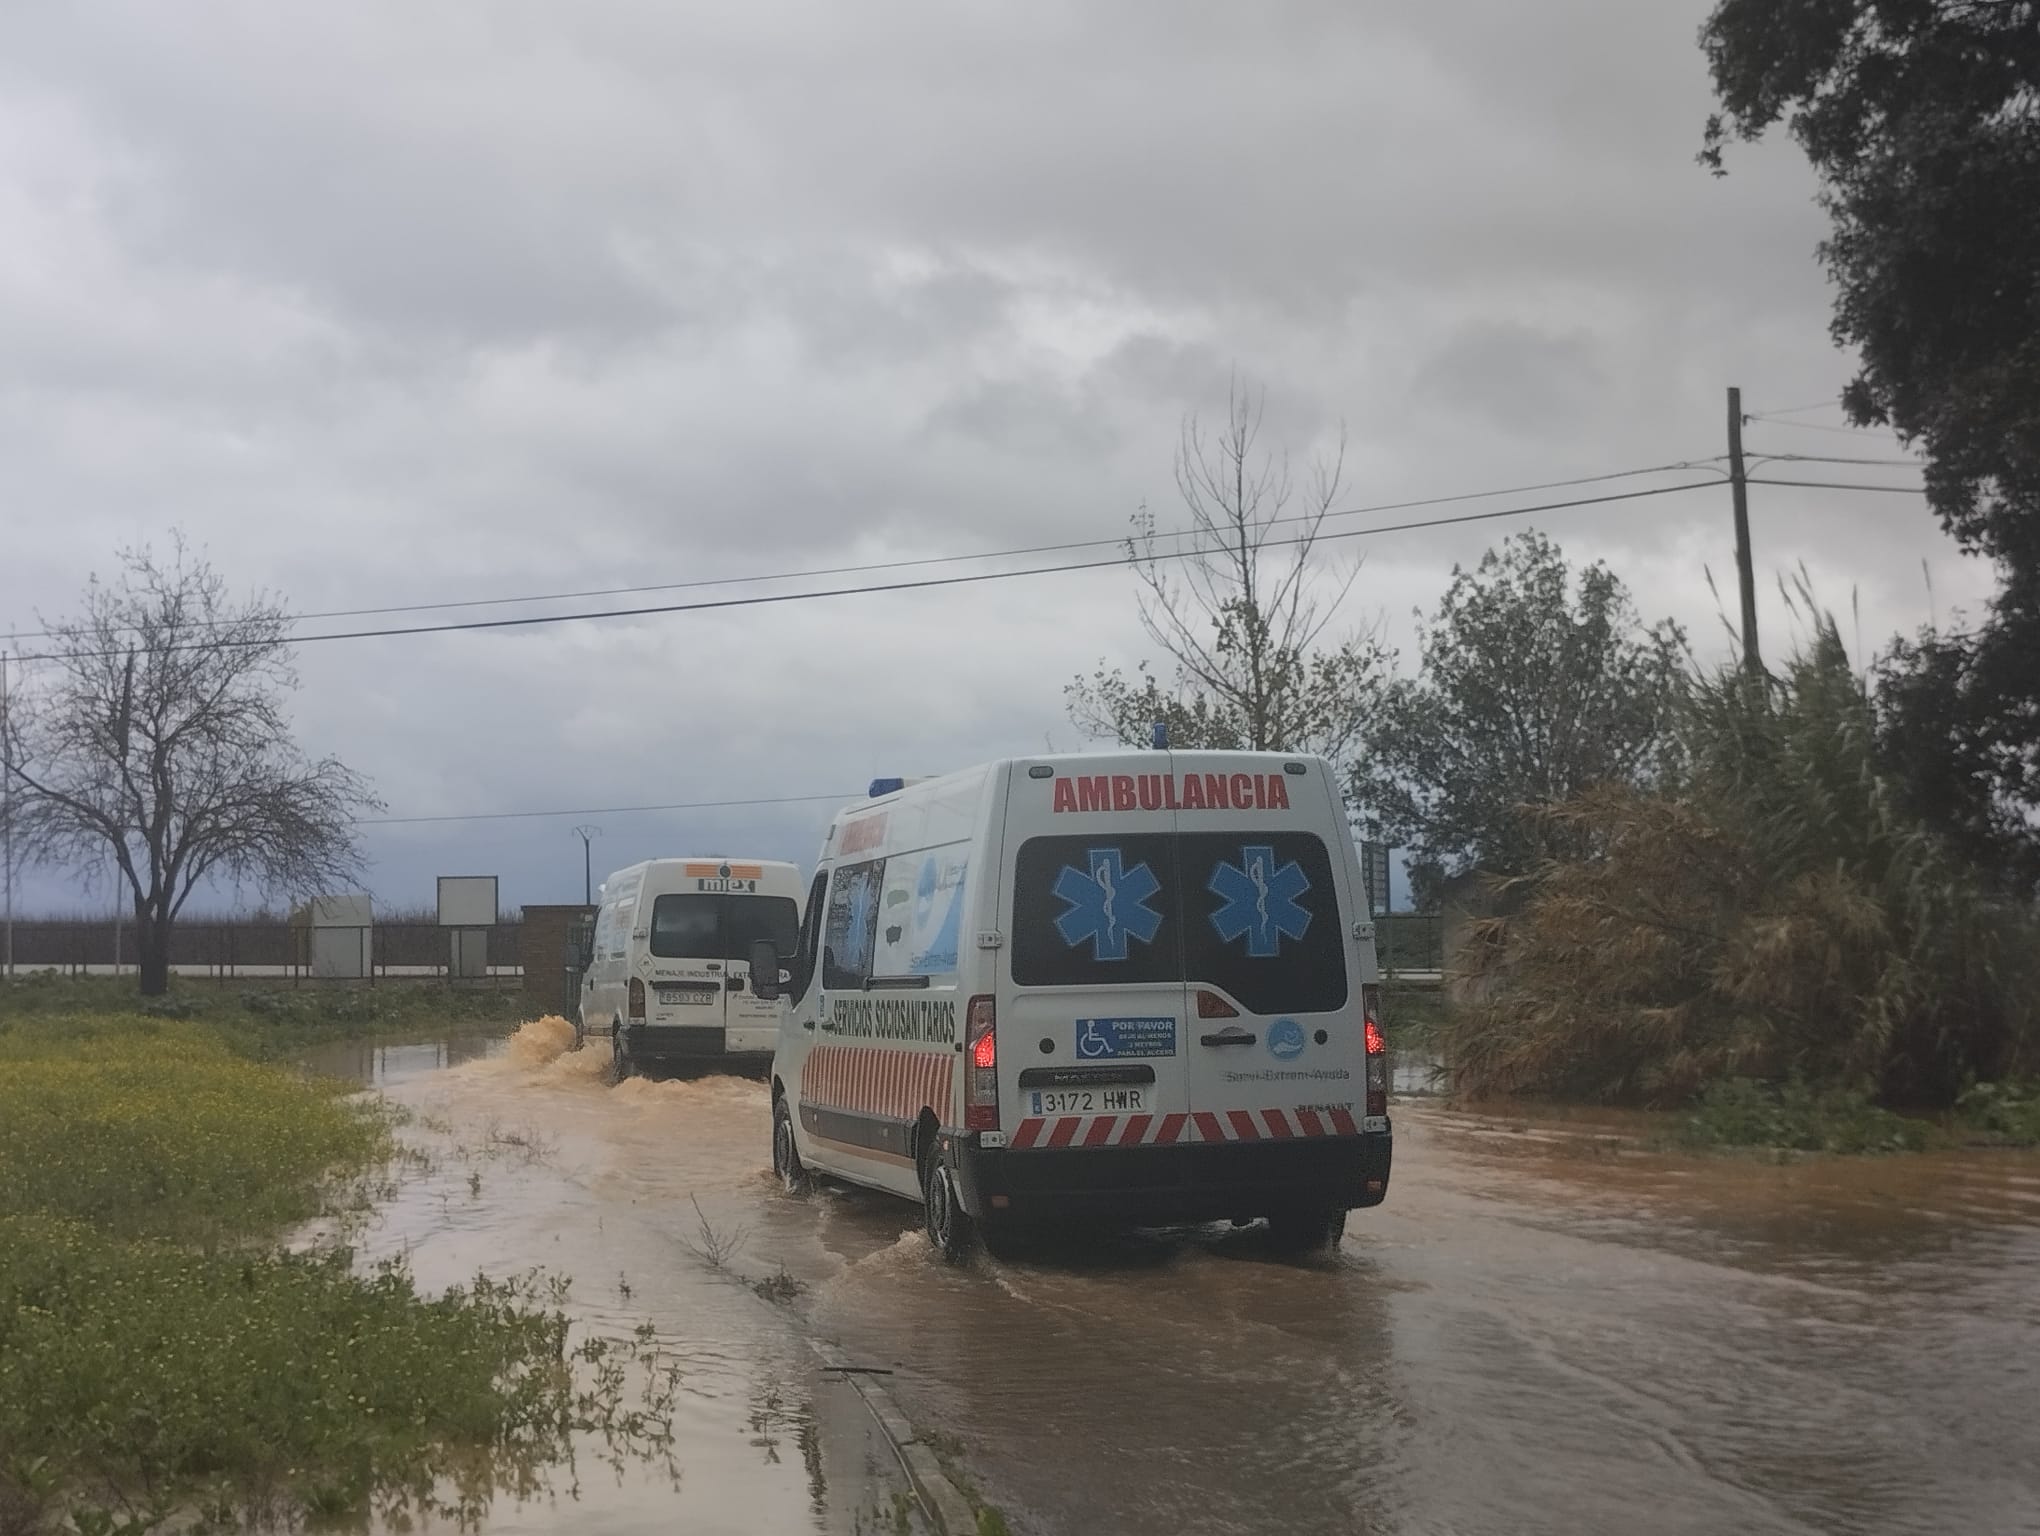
point(1102, 1039)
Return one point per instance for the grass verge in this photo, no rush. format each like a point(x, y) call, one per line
point(266, 1020)
point(164, 1361)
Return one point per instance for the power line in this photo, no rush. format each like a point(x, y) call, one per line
point(1796, 410)
point(599, 810)
point(1842, 485)
point(928, 560)
point(926, 583)
point(1821, 458)
point(1821, 426)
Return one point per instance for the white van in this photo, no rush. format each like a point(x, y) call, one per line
point(1136, 988)
point(668, 965)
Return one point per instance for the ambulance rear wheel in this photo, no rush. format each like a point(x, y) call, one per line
point(1307, 1231)
point(949, 1225)
point(793, 1175)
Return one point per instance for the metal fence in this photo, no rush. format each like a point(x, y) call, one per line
point(269, 948)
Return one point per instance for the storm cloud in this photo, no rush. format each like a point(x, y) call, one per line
point(388, 304)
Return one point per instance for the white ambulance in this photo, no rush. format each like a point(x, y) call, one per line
point(666, 974)
point(1136, 988)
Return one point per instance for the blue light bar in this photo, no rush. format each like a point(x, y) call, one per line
point(886, 787)
point(1161, 736)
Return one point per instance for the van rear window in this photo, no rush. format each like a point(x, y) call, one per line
point(1253, 914)
point(709, 927)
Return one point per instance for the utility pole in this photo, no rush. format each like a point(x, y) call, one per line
point(587, 835)
point(1745, 573)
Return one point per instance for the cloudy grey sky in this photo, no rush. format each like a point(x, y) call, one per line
point(387, 303)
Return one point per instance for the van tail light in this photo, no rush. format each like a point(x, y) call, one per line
point(1377, 1054)
point(637, 998)
point(981, 1066)
point(1211, 1006)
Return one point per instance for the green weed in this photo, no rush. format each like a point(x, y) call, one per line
point(2007, 1114)
point(1795, 1117)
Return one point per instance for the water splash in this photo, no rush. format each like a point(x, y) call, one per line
point(540, 1042)
point(719, 1089)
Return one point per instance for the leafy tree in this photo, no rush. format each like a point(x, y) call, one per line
point(162, 741)
point(1536, 685)
point(1922, 120)
point(1243, 618)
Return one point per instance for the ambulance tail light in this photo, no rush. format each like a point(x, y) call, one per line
point(981, 1066)
point(637, 998)
point(1377, 1053)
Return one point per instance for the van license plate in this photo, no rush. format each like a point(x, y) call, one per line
point(673, 996)
point(1088, 1101)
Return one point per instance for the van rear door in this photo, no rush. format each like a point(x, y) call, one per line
point(1277, 1048)
point(684, 958)
point(1092, 1034)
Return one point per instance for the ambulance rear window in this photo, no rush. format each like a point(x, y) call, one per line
point(1096, 911)
point(1261, 920)
point(1255, 914)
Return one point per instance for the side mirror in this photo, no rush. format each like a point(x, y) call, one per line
point(766, 977)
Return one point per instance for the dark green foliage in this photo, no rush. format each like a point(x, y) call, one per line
point(2004, 1113)
point(1537, 683)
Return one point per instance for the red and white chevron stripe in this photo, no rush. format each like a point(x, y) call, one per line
point(1167, 1130)
point(895, 1083)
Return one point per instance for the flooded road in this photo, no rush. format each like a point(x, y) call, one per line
point(1537, 1332)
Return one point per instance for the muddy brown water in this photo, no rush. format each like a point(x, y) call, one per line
point(1538, 1332)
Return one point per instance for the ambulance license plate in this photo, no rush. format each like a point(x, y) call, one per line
point(1088, 1101)
point(671, 997)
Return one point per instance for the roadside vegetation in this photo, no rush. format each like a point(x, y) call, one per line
point(267, 1020)
point(1775, 915)
point(167, 1362)
point(1770, 938)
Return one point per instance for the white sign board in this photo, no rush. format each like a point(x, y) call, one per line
point(349, 910)
point(467, 901)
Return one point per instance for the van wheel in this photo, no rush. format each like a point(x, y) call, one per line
point(793, 1176)
point(1307, 1231)
point(949, 1225)
point(619, 1056)
point(580, 1036)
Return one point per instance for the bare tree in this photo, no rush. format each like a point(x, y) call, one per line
point(162, 740)
point(1241, 618)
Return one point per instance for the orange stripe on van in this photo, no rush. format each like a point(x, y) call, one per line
point(737, 871)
